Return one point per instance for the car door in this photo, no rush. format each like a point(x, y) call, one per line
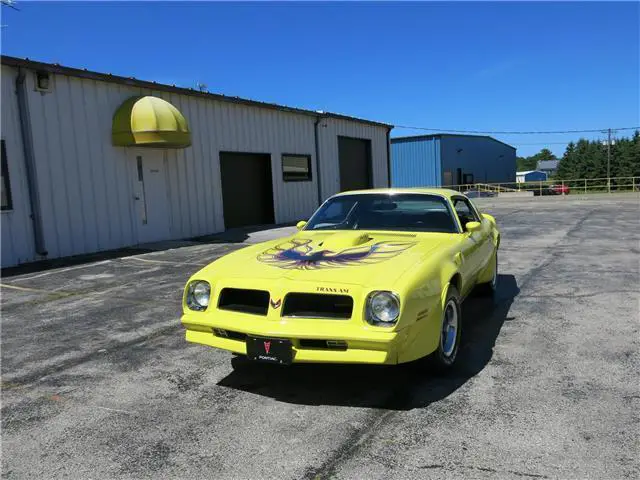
point(473, 245)
point(488, 245)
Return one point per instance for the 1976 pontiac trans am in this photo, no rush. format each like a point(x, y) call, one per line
point(374, 276)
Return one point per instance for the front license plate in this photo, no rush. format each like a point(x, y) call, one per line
point(270, 350)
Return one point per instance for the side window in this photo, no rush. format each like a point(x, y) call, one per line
point(5, 184)
point(465, 212)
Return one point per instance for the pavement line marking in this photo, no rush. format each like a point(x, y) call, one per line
point(63, 294)
point(36, 290)
point(115, 410)
point(60, 270)
point(164, 261)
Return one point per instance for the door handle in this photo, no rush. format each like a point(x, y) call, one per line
point(135, 197)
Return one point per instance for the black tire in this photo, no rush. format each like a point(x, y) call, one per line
point(444, 358)
point(489, 289)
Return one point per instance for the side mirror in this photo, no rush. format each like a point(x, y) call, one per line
point(301, 224)
point(473, 226)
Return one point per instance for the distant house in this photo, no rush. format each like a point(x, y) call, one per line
point(550, 167)
point(531, 176)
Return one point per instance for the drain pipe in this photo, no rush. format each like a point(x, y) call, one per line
point(315, 133)
point(389, 156)
point(30, 164)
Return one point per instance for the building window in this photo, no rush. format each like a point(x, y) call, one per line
point(7, 202)
point(296, 168)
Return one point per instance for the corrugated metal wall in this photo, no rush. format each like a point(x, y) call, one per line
point(328, 132)
point(17, 231)
point(534, 176)
point(488, 160)
point(86, 184)
point(415, 163)
point(216, 127)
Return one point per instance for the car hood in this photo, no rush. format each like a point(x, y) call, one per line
point(344, 257)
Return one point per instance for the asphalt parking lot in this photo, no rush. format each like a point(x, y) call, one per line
point(98, 382)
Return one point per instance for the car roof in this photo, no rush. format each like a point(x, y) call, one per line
point(443, 192)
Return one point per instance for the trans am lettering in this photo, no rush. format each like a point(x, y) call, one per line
point(332, 290)
point(298, 254)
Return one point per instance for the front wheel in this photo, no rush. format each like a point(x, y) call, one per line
point(450, 333)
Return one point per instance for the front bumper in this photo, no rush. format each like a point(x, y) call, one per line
point(364, 345)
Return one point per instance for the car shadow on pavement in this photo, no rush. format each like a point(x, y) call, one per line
point(384, 387)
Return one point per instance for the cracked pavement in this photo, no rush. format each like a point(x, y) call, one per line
point(98, 382)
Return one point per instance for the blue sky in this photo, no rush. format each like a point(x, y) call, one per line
point(466, 66)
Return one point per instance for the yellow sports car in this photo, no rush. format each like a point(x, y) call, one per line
point(374, 276)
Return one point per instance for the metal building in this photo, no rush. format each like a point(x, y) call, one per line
point(449, 159)
point(550, 167)
point(531, 176)
point(94, 162)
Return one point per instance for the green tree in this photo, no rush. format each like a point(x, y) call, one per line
point(531, 163)
point(588, 159)
point(525, 163)
point(544, 154)
point(567, 165)
point(626, 157)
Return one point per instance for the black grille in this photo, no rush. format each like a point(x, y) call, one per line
point(317, 305)
point(323, 344)
point(220, 332)
point(244, 300)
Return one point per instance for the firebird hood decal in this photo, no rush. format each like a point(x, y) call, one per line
point(299, 254)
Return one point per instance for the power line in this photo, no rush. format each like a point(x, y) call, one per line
point(540, 143)
point(9, 3)
point(599, 130)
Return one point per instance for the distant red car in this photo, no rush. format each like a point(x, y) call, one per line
point(560, 189)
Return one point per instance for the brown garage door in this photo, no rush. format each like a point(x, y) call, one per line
point(355, 163)
point(247, 192)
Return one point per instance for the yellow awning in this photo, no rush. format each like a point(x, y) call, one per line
point(149, 122)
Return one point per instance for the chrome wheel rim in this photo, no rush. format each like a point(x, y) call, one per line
point(449, 329)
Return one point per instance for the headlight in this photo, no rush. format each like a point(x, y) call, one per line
point(383, 308)
point(198, 293)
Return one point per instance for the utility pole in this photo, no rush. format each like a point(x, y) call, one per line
point(609, 161)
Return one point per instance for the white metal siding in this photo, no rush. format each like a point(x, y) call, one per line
point(86, 184)
point(328, 132)
point(17, 230)
point(223, 127)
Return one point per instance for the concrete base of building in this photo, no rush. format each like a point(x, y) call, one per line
point(515, 194)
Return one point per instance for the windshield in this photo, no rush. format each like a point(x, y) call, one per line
point(371, 211)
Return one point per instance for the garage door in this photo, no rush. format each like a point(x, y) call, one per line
point(247, 192)
point(355, 163)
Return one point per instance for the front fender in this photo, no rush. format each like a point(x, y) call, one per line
point(495, 233)
point(422, 313)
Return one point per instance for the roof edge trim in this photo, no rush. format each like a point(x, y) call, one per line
point(134, 82)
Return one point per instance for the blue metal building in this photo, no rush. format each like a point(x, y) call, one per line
point(450, 159)
point(531, 176)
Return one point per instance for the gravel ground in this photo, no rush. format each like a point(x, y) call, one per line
point(98, 382)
